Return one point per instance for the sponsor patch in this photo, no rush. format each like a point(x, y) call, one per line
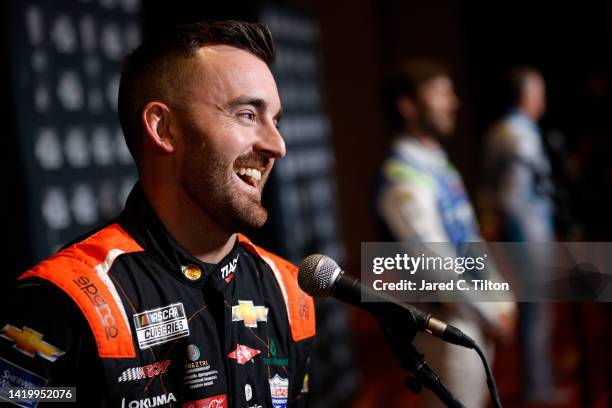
point(196, 364)
point(279, 388)
point(101, 305)
point(148, 371)
point(273, 360)
point(227, 271)
point(191, 271)
point(218, 401)
point(248, 392)
point(243, 354)
point(304, 389)
point(11, 375)
point(250, 314)
point(30, 343)
point(304, 307)
point(200, 375)
point(193, 352)
point(161, 325)
point(150, 402)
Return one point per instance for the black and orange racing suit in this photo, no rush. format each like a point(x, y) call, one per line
point(132, 320)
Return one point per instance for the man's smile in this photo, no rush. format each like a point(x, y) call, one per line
point(249, 175)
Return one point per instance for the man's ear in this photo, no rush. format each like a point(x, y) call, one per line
point(156, 123)
point(407, 108)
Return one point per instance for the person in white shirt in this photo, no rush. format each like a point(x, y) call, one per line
point(421, 198)
point(518, 199)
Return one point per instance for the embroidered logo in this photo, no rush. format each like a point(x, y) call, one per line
point(273, 360)
point(243, 354)
point(228, 270)
point(191, 272)
point(30, 343)
point(150, 402)
point(148, 371)
point(218, 401)
point(248, 313)
point(161, 325)
point(279, 388)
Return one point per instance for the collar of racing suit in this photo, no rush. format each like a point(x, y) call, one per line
point(142, 223)
point(429, 156)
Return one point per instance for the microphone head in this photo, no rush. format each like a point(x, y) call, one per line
point(317, 275)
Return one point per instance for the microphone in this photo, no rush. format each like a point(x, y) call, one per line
point(320, 276)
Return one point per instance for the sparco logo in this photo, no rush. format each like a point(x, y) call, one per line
point(148, 371)
point(102, 308)
point(151, 402)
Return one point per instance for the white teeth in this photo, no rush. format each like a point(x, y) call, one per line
point(254, 173)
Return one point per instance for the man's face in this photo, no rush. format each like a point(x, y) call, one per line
point(228, 121)
point(438, 106)
point(534, 96)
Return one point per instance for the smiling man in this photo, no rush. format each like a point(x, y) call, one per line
point(169, 304)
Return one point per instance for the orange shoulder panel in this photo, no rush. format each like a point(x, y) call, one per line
point(81, 271)
point(300, 306)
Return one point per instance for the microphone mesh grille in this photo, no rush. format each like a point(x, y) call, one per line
point(315, 275)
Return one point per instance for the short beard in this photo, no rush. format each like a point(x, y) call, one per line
point(206, 178)
point(429, 126)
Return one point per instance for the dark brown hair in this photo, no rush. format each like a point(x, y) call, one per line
point(405, 80)
point(156, 70)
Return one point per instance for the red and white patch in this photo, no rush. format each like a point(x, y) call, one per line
point(243, 354)
point(148, 371)
point(218, 401)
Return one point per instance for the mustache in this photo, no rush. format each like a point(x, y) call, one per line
point(252, 159)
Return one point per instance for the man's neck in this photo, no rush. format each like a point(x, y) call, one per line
point(422, 137)
point(528, 114)
point(193, 229)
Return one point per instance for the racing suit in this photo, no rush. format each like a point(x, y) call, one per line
point(132, 320)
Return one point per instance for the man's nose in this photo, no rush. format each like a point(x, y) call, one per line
point(272, 142)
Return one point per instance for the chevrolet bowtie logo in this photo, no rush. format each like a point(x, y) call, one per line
point(29, 342)
point(249, 313)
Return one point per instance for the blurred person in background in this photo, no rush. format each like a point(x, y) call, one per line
point(519, 208)
point(421, 198)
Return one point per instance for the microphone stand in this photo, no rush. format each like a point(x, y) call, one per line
point(413, 361)
point(400, 339)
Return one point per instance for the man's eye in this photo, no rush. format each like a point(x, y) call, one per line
point(247, 115)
